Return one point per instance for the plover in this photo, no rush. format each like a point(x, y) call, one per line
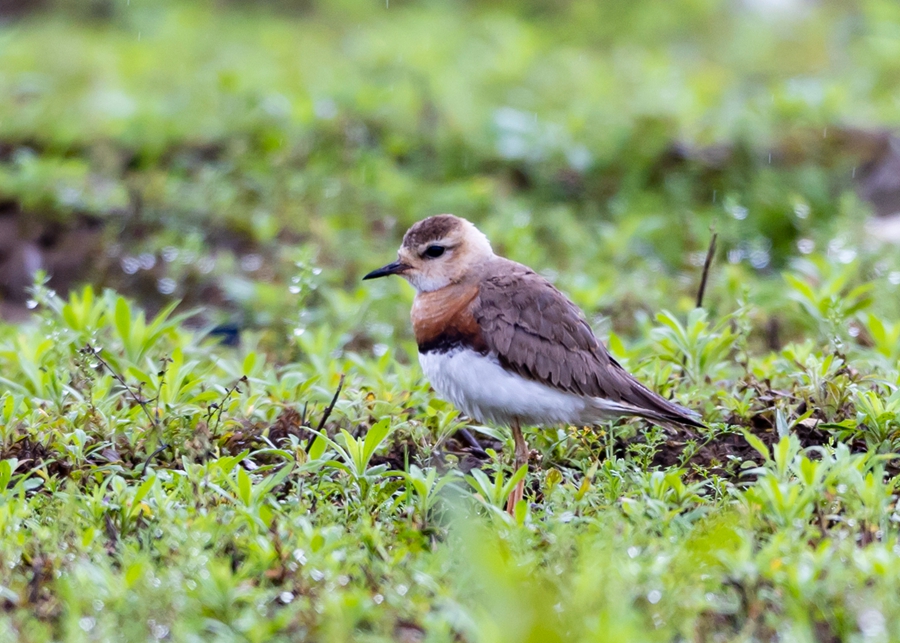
point(505, 346)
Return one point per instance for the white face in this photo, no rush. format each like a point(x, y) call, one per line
point(438, 263)
point(437, 252)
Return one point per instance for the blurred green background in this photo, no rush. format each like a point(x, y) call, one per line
point(214, 151)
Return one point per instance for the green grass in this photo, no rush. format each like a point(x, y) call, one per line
point(259, 159)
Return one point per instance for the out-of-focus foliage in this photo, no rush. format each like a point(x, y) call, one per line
point(254, 160)
point(597, 140)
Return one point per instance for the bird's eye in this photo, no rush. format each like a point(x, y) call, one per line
point(433, 252)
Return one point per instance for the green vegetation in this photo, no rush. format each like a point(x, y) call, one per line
point(210, 163)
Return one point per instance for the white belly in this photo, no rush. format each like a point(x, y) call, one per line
point(480, 387)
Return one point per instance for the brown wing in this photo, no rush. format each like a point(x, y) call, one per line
point(538, 333)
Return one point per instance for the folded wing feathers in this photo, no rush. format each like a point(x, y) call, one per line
point(538, 333)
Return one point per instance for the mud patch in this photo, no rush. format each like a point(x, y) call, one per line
point(66, 251)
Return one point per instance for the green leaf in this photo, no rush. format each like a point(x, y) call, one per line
point(339, 465)
point(6, 470)
point(134, 572)
point(143, 490)
point(316, 449)
point(554, 477)
point(278, 477)
point(520, 511)
point(266, 514)
point(757, 444)
point(30, 484)
point(479, 481)
point(514, 480)
point(245, 486)
point(354, 451)
point(9, 406)
point(374, 438)
point(123, 319)
point(783, 454)
point(781, 425)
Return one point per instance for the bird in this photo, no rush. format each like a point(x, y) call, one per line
point(505, 346)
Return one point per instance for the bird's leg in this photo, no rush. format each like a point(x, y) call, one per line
point(521, 458)
point(474, 445)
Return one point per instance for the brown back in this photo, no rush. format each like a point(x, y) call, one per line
point(538, 333)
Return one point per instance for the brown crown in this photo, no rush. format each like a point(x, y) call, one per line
point(430, 229)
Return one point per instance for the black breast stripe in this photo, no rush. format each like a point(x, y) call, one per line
point(452, 339)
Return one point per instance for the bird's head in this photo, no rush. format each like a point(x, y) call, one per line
point(437, 252)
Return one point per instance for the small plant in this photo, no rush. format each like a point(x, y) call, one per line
point(493, 495)
point(825, 295)
point(885, 337)
point(878, 420)
point(698, 347)
point(425, 487)
point(356, 454)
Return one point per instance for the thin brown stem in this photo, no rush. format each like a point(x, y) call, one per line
point(330, 407)
point(326, 414)
point(710, 253)
point(141, 402)
point(90, 350)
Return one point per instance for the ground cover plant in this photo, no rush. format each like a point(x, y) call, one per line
point(211, 430)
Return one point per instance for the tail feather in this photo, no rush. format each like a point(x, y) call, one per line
point(642, 402)
point(674, 416)
point(682, 418)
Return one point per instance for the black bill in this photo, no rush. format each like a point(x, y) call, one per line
point(390, 269)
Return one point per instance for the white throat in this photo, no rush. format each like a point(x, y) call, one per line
point(424, 283)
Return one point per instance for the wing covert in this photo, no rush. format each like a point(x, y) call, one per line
point(538, 333)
